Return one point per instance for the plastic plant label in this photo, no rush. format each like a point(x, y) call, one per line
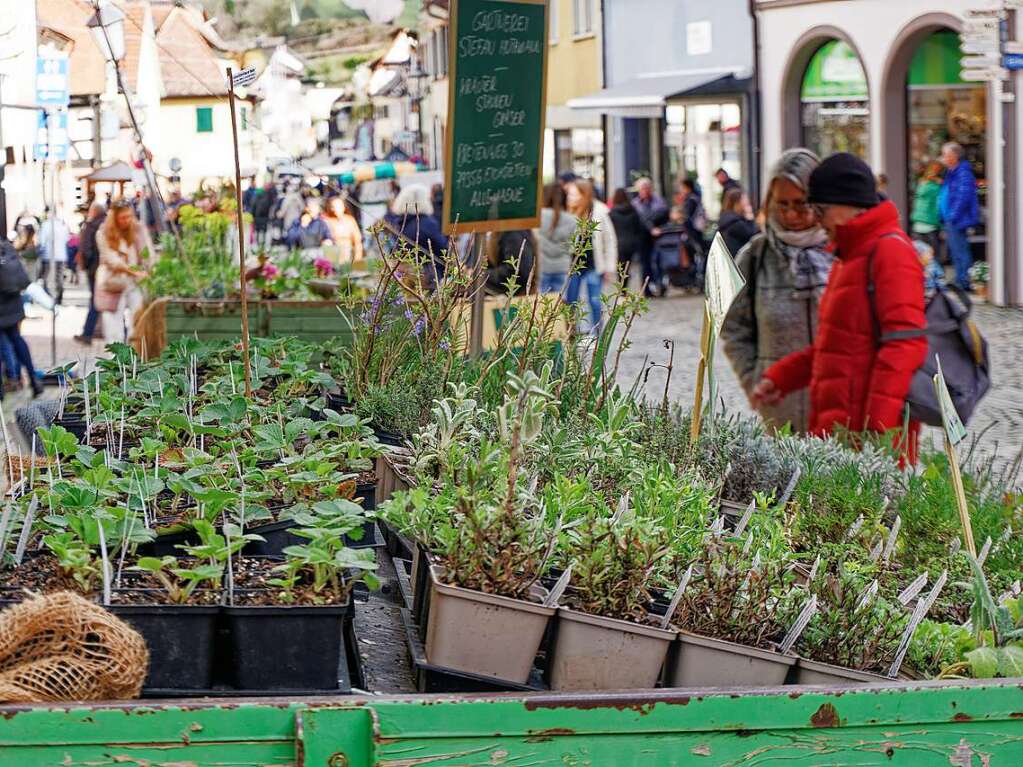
point(984, 551)
point(722, 283)
point(911, 591)
point(790, 488)
point(5, 521)
point(677, 599)
point(805, 616)
point(26, 530)
point(955, 431)
point(893, 536)
point(558, 590)
point(854, 528)
point(104, 562)
point(744, 519)
point(922, 608)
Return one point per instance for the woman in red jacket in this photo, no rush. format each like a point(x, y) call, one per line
point(865, 353)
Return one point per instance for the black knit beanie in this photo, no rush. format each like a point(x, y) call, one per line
point(843, 179)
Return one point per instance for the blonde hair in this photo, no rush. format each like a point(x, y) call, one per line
point(412, 200)
point(584, 208)
point(113, 235)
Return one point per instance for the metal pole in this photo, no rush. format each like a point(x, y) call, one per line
point(241, 238)
point(3, 168)
point(50, 278)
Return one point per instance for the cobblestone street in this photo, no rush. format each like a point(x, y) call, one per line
point(678, 319)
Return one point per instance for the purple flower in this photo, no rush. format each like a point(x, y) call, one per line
point(399, 300)
point(444, 346)
point(408, 315)
point(270, 271)
point(417, 329)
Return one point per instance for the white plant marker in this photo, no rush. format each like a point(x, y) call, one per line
point(559, 588)
point(104, 562)
point(797, 629)
point(744, 519)
point(677, 599)
point(7, 447)
point(813, 570)
point(893, 536)
point(26, 530)
point(922, 608)
point(230, 368)
point(854, 527)
point(984, 551)
point(88, 409)
point(623, 506)
point(5, 521)
point(120, 438)
point(748, 544)
point(911, 591)
point(956, 545)
point(32, 468)
point(875, 553)
point(790, 488)
point(868, 595)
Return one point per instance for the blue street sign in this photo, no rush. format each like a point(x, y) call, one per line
point(51, 137)
point(1013, 61)
point(53, 84)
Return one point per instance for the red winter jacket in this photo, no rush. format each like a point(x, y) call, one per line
point(854, 383)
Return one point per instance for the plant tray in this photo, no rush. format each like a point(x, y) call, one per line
point(438, 679)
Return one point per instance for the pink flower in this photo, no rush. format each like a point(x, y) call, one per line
point(324, 268)
point(270, 271)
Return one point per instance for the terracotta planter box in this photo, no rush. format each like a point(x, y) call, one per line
point(704, 662)
point(812, 672)
point(483, 634)
point(594, 653)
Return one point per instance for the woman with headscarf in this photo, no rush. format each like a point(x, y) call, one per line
point(786, 269)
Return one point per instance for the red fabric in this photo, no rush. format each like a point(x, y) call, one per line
point(854, 383)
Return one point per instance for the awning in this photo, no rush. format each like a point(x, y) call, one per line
point(647, 95)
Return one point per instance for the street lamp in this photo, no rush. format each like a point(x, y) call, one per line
point(416, 84)
point(107, 27)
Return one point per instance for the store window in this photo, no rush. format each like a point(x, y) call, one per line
point(582, 17)
point(942, 108)
point(204, 119)
point(834, 108)
point(699, 139)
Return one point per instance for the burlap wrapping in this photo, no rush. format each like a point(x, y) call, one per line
point(61, 647)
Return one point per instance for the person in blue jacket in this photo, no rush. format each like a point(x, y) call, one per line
point(960, 210)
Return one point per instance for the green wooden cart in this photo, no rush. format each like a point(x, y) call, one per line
point(936, 723)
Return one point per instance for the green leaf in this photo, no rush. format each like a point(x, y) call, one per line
point(1010, 661)
point(983, 663)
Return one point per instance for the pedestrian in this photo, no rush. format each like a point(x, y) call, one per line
point(596, 250)
point(727, 182)
point(554, 240)
point(120, 241)
point(411, 215)
point(960, 210)
point(511, 258)
point(88, 258)
point(736, 223)
point(262, 210)
point(695, 218)
point(291, 208)
point(926, 213)
point(653, 211)
point(53, 240)
point(786, 269)
point(13, 280)
point(670, 252)
point(633, 237)
point(27, 245)
point(868, 345)
point(310, 230)
point(344, 229)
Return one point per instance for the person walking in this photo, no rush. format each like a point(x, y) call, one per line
point(26, 243)
point(88, 257)
point(926, 213)
point(596, 254)
point(13, 280)
point(120, 242)
point(871, 335)
point(694, 217)
point(727, 182)
point(736, 223)
point(411, 214)
point(960, 210)
point(786, 269)
point(310, 230)
point(262, 211)
point(654, 212)
point(554, 240)
point(53, 240)
point(344, 229)
point(632, 236)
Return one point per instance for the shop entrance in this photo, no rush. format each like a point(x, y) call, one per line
point(835, 102)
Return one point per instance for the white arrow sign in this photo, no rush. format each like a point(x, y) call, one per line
point(983, 75)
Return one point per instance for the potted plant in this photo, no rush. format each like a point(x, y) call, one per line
point(980, 276)
point(732, 619)
point(287, 621)
point(606, 638)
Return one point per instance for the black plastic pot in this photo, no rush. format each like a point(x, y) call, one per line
point(74, 424)
point(390, 438)
point(167, 545)
point(180, 639)
point(287, 648)
point(337, 400)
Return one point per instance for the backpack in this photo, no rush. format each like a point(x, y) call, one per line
point(13, 277)
point(951, 336)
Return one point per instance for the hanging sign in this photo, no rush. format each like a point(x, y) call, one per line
point(493, 166)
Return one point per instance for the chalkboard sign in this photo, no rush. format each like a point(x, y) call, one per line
point(497, 96)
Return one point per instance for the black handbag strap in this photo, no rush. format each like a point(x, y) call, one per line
point(895, 335)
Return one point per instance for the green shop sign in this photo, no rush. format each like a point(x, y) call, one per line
point(496, 104)
point(835, 74)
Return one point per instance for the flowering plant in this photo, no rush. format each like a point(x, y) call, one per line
point(323, 266)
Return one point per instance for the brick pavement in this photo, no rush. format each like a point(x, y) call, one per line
point(679, 319)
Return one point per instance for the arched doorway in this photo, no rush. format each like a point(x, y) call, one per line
point(826, 95)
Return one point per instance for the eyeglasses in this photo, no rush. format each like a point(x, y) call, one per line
point(820, 210)
point(801, 208)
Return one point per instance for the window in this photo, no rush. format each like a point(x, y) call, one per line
point(554, 20)
point(204, 119)
point(582, 17)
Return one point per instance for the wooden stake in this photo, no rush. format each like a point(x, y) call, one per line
point(701, 373)
point(241, 238)
point(957, 483)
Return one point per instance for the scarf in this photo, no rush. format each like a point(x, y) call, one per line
point(807, 257)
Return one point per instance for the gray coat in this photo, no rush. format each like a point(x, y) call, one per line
point(767, 322)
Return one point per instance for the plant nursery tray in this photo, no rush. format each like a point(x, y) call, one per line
point(438, 679)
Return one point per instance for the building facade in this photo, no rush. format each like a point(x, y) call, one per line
point(678, 95)
point(883, 79)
